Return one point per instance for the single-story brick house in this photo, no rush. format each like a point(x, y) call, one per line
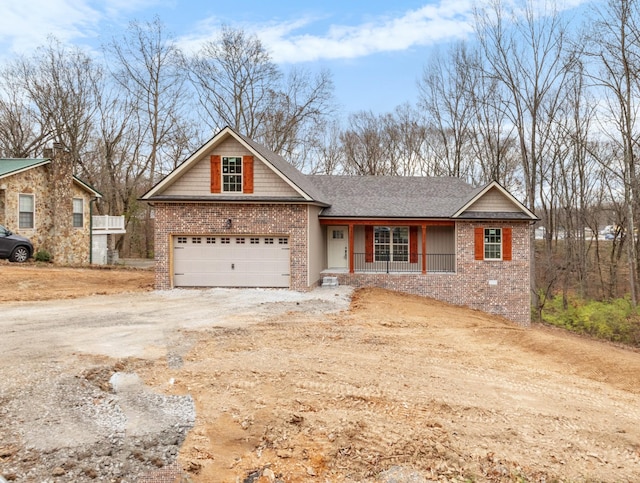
point(42, 200)
point(235, 214)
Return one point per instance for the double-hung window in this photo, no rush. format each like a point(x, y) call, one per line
point(26, 211)
point(78, 213)
point(232, 174)
point(391, 243)
point(492, 244)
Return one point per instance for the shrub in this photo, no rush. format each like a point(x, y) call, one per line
point(616, 320)
point(42, 256)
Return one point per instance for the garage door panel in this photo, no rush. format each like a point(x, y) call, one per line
point(214, 261)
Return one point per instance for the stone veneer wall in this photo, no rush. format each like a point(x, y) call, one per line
point(469, 286)
point(53, 224)
point(247, 219)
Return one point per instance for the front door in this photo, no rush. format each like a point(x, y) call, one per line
point(338, 243)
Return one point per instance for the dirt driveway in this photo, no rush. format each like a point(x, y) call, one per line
point(269, 385)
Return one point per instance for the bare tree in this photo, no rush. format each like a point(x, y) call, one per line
point(235, 80)
point(444, 94)
point(365, 145)
point(526, 55)
point(61, 83)
point(146, 64)
point(22, 130)
point(297, 115)
point(238, 85)
point(492, 134)
point(614, 42)
point(407, 140)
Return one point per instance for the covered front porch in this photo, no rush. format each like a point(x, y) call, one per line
point(390, 246)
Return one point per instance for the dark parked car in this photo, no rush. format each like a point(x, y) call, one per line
point(14, 247)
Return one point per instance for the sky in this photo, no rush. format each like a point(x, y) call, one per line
point(375, 50)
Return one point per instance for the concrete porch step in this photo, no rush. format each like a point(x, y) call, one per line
point(330, 281)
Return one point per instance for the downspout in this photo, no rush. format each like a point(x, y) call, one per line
point(91, 201)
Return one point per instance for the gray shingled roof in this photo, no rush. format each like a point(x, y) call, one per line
point(282, 165)
point(367, 196)
point(392, 196)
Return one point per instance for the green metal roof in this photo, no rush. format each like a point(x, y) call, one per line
point(13, 166)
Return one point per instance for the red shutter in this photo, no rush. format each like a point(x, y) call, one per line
point(506, 244)
point(413, 244)
point(479, 243)
point(368, 244)
point(216, 177)
point(247, 174)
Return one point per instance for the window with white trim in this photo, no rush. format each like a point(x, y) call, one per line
point(232, 174)
point(26, 214)
point(391, 243)
point(78, 213)
point(493, 244)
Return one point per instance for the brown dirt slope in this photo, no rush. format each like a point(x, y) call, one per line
point(402, 383)
point(397, 388)
point(37, 281)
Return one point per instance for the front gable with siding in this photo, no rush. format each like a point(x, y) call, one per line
point(235, 214)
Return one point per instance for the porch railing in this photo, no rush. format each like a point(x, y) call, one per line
point(107, 222)
point(436, 262)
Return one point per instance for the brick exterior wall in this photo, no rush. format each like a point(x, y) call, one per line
point(508, 295)
point(497, 287)
point(53, 189)
point(247, 219)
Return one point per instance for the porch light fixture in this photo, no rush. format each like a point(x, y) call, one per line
point(228, 223)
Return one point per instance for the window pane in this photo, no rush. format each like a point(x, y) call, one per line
point(26, 220)
point(401, 235)
point(26, 202)
point(493, 243)
point(382, 243)
point(25, 215)
point(400, 253)
point(401, 244)
point(78, 218)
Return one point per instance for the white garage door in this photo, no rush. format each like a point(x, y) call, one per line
point(230, 261)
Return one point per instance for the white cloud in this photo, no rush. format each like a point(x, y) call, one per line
point(424, 26)
point(25, 25)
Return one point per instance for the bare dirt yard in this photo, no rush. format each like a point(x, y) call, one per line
point(103, 379)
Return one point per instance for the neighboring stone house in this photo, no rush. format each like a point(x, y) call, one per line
point(235, 214)
point(42, 200)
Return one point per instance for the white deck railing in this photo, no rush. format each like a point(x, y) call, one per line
point(107, 222)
